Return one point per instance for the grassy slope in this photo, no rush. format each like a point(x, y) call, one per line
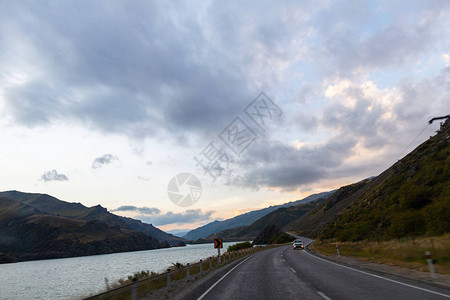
point(409, 199)
point(48, 204)
point(412, 201)
point(313, 223)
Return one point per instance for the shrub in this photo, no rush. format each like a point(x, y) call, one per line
point(177, 265)
point(283, 238)
point(239, 246)
point(140, 275)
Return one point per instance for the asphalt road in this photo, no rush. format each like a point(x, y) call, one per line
point(284, 273)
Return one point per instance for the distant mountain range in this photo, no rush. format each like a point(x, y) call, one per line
point(37, 226)
point(178, 232)
point(280, 218)
point(245, 219)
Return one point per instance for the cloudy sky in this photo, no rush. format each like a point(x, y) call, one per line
point(104, 102)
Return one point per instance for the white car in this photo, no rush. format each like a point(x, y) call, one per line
point(298, 244)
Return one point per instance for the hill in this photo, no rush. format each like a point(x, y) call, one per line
point(271, 234)
point(411, 198)
point(279, 218)
point(313, 223)
point(178, 232)
point(245, 219)
point(27, 233)
point(77, 211)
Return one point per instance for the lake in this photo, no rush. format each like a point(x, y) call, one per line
point(77, 277)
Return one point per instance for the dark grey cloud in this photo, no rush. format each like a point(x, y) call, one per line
point(363, 121)
point(103, 160)
point(120, 68)
point(154, 216)
point(142, 210)
point(349, 42)
point(53, 175)
point(306, 122)
point(186, 217)
point(423, 98)
point(136, 69)
point(274, 164)
point(163, 70)
point(140, 71)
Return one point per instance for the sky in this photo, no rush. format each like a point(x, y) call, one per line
point(262, 102)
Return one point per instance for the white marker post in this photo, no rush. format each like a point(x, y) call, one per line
point(430, 264)
point(337, 249)
point(107, 283)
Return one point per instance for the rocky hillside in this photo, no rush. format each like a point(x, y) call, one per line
point(27, 233)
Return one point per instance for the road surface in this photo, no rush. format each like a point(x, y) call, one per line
point(284, 273)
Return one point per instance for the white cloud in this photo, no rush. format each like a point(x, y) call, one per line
point(446, 59)
point(53, 176)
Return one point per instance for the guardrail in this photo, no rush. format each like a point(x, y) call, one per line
point(173, 276)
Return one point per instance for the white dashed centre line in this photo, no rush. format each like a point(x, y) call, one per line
point(323, 295)
point(380, 277)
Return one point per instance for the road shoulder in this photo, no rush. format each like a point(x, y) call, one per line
point(195, 288)
point(441, 281)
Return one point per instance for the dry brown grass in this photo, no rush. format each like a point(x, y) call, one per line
point(408, 252)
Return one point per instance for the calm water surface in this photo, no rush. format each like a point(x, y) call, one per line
point(73, 278)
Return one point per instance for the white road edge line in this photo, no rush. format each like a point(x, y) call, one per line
point(323, 295)
point(217, 282)
point(292, 270)
point(381, 277)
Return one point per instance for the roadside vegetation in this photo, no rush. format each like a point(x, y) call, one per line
point(281, 238)
point(155, 284)
point(239, 246)
point(412, 202)
point(405, 252)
